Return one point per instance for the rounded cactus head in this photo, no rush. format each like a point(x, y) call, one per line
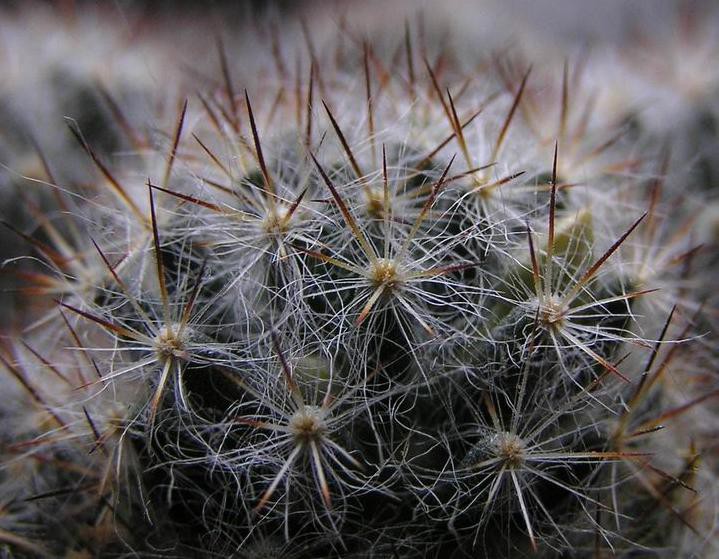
point(365, 294)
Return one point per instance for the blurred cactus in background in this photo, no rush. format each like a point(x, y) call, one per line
point(343, 280)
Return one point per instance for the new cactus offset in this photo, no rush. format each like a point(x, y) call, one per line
point(367, 303)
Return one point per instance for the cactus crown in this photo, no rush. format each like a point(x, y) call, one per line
point(400, 327)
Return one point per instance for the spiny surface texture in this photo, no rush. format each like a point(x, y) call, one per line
point(378, 291)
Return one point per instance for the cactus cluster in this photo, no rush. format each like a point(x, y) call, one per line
point(367, 295)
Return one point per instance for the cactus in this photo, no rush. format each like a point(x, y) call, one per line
point(375, 305)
